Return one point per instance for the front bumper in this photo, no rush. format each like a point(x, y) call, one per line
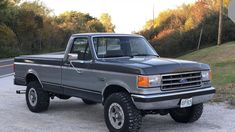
point(171, 100)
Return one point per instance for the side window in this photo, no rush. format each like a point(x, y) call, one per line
point(100, 46)
point(81, 48)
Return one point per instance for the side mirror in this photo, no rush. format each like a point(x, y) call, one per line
point(72, 56)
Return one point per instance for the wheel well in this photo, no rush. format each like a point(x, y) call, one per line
point(31, 77)
point(112, 89)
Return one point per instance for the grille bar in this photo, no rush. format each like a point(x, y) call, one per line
point(184, 87)
point(179, 81)
point(182, 78)
point(180, 73)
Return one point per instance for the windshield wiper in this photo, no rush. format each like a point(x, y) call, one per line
point(113, 56)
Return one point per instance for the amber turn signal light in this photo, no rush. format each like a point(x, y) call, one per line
point(143, 81)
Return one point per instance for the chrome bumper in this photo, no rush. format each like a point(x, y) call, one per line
point(171, 100)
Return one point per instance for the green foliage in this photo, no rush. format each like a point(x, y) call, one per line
point(8, 42)
point(36, 6)
point(27, 28)
point(94, 25)
point(79, 22)
point(106, 20)
point(177, 31)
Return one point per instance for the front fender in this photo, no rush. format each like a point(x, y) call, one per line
point(116, 83)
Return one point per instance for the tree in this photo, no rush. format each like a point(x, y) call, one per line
point(74, 21)
point(3, 7)
point(95, 25)
point(106, 20)
point(28, 28)
point(176, 31)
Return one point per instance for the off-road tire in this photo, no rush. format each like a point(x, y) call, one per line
point(88, 102)
point(132, 116)
point(43, 97)
point(187, 115)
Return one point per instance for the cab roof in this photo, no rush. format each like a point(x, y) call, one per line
point(105, 34)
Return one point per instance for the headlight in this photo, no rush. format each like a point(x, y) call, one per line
point(206, 75)
point(149, 81)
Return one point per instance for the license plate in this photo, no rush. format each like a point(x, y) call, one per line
point(186, 102)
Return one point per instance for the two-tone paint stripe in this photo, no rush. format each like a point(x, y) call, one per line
point(72, 68)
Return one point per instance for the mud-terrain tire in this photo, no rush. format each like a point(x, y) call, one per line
point(88, 102)
point(37, 99)
point(187, 115)
point(124, 108)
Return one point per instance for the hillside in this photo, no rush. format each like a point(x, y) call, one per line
point(222, 62)
point(175, 32)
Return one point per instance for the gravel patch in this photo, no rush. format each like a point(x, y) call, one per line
point(73, 115)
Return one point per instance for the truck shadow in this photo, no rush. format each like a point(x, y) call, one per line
point(76, 111)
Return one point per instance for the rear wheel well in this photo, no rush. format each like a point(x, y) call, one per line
point(112, 89)
point(31, 77)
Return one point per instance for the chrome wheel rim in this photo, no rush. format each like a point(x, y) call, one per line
point(116, 115)
point(32, 96)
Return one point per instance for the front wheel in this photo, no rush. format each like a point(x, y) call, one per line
point(120, 113)
point(187, 115)
point(37, 99)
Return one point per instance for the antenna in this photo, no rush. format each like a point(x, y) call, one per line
point(153, 16)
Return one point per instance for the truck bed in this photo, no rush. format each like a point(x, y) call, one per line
point(49, 59)
point(47, 67)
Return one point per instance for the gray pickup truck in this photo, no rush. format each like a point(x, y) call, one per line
point(121, 71)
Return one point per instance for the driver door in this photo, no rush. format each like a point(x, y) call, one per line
point(75, 73)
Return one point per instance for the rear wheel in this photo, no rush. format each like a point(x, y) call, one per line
point(88, 102)
point(120, 113)
point(187, 115)
point(37, 99)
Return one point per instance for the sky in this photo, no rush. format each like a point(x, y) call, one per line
point(127, 15)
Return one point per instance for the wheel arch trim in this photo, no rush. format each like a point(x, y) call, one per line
point(34, 73)
point(110, 84)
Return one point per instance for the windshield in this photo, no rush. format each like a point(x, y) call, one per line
point(122, 46)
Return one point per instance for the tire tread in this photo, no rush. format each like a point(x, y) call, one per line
point(134, 115)
point(43, 98)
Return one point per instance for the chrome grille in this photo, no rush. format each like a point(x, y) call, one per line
point(179, 81)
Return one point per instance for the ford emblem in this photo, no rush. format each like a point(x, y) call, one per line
point(183, 80)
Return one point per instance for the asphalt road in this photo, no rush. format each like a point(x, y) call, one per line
point(73, 115)
point(6, 66)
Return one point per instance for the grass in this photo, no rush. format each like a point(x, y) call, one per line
point(222, 62)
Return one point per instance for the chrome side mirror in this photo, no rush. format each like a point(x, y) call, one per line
point(72, 56)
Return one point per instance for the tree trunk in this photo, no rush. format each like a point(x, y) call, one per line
point(200, 38)
point(220, 23)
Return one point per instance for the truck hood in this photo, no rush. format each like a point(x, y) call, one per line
point(156, 65)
